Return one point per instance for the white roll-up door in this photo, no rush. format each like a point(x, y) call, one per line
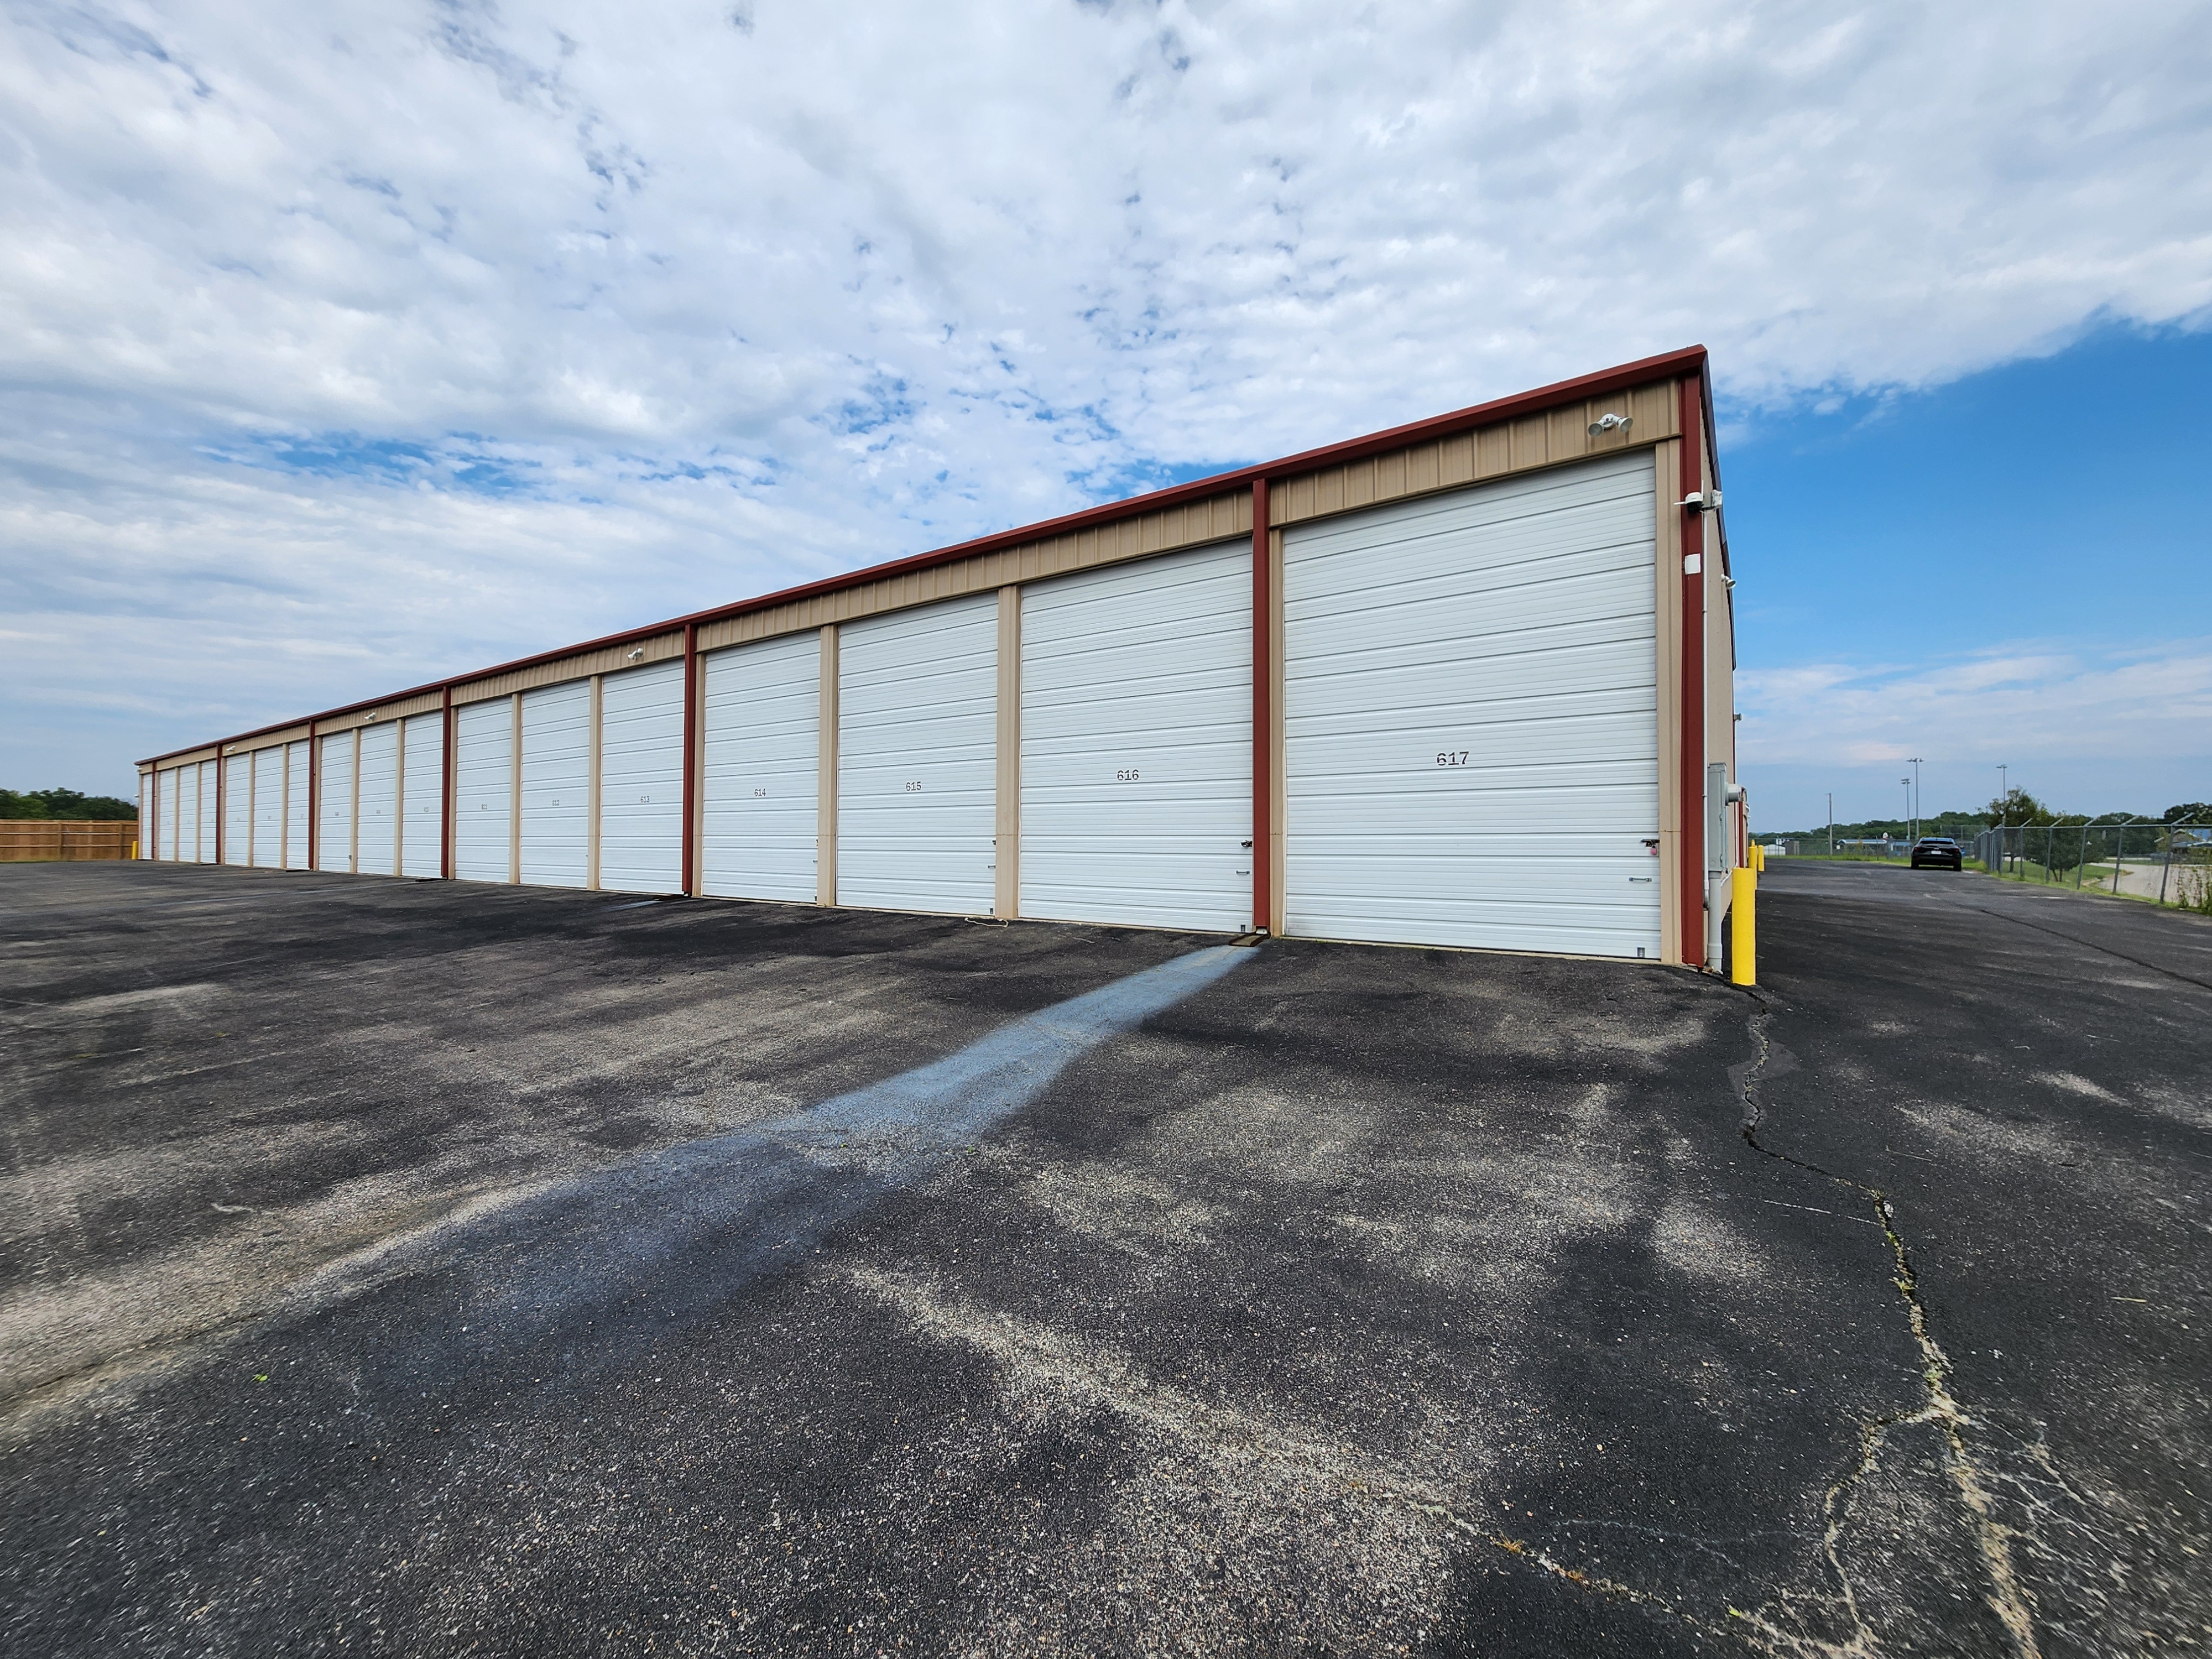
point(760, 788)
point(556, 775)
point(334, 800)
point(422, 798)
point(237, 808)
point(379, 828)
point(1470, 717)
point(205, 846)
point(917, 714)
point(173, 810)
point(483, 790)
point(641, 780)
point(164, 815)
point(296, 806)
point(1136, 774)
point(188, 815)
point(269, 808)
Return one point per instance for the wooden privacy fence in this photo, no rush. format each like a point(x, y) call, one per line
point(26, 841)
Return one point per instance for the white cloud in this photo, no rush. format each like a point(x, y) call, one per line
point(2075, 727)
point(345, 344)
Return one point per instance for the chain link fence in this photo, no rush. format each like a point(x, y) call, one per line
point(2167, 864)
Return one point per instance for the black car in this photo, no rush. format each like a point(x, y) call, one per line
point(1938, 851)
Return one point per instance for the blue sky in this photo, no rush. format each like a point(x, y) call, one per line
point(2015, 566)
point(357, 345)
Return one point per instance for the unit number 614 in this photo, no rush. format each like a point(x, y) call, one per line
point(1452, 757)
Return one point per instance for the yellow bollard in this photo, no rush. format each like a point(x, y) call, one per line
point(1757, 859)
point(1743, 888)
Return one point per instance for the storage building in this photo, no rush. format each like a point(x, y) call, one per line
point(1467, 682)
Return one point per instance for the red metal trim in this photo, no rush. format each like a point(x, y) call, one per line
point(445, 808)
point(1642, 372)
point(1693, 700)
point(1263, 714)
point(315, 799)
point(691, 757)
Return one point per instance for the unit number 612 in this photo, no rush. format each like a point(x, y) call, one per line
point(1452, 757)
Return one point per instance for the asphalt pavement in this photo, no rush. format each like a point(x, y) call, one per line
point(422, 1267)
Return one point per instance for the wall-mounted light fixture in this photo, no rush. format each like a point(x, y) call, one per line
point(635, 653)
point(1706, 501)
point(1606, 423)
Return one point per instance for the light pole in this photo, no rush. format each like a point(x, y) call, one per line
point(1831, 823)
point(1907, 782)
point(1915, 814)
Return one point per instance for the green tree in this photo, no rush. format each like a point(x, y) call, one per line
point(2016, 806)
point(63, 804)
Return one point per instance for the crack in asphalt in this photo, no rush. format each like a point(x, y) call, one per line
point(2009, 1598)
point(1032, 1358)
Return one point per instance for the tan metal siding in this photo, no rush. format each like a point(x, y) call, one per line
point(1536, 440)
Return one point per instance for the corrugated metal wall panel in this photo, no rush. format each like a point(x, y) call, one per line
point(641, 780)
point(296, 806)
point(917, 715)
point(422, 798)
point(378, 811)
point(1136, 743)
point(483, 790)
point(237, 808)
point(145, 847)
point(334, 834)
point(269, 808)
point(762, 711)
point(1471, 733)
point(556, 758)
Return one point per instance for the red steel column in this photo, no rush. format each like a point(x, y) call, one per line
point(1263, 714)
point(445, 810)
point(1692, 420)
point(691, 757)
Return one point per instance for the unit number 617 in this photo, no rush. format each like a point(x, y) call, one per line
point(1452, 757)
